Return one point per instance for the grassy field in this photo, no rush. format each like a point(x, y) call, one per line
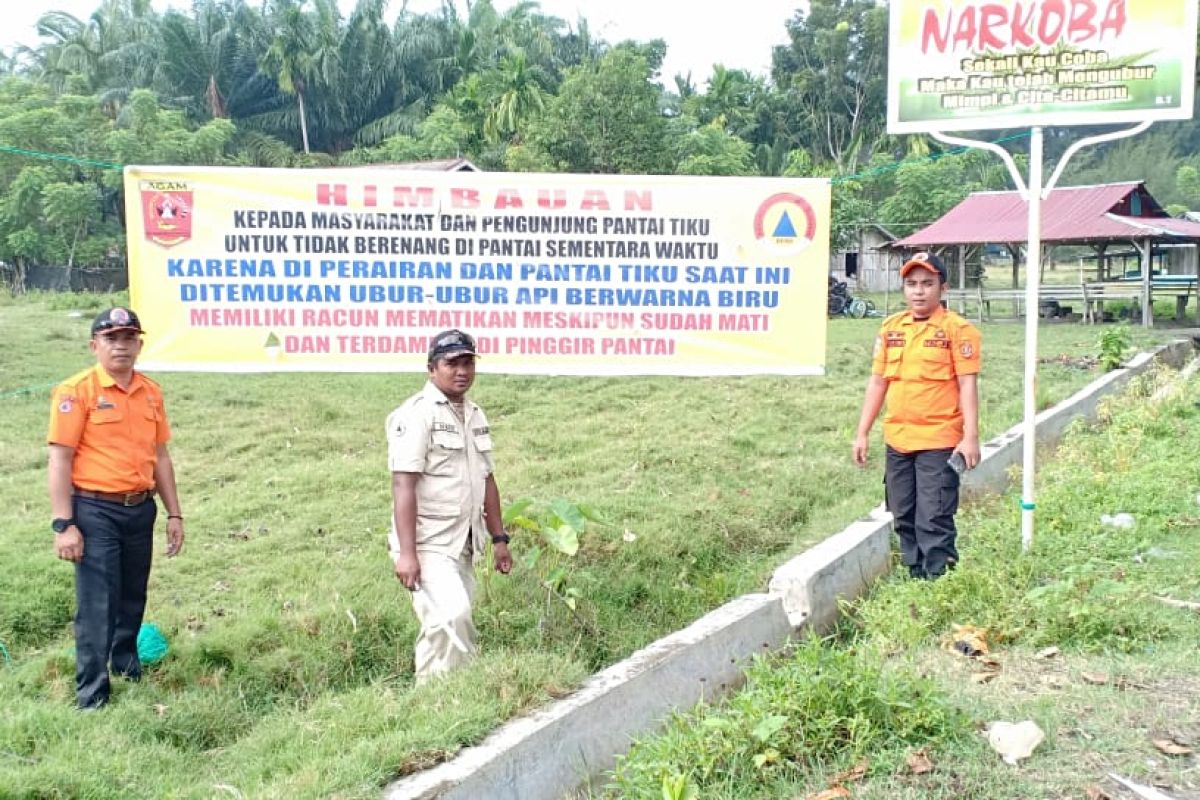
point(886, 693)
point(290, 669)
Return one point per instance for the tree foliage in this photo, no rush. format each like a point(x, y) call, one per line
point(297, 83)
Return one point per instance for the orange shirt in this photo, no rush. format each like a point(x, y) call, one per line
point(921, 361)
point(115, 432)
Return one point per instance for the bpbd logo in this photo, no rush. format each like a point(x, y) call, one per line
point(786, 223)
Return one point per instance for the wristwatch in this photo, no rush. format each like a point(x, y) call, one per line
point(500, 538)
point(60, 525)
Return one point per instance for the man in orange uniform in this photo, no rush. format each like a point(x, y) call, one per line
point(108, 458)
point(926, 366)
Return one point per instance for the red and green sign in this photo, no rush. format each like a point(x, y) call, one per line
point(975, 64)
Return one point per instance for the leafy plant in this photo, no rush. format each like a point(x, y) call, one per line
point(560, 526)
point(1114, 347)
point(678, 787)
point(823, 705)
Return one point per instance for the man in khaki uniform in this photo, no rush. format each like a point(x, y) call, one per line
point(445, 499)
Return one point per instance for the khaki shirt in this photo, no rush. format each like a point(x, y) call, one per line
point(454, 459)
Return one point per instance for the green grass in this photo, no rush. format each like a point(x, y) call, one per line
point(290, 668)
point(888, 687)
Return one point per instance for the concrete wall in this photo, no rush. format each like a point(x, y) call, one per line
point(1004, 452)
point(546, 755)
point(550, 752)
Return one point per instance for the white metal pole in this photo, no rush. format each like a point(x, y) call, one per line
point(1147, 265)
point(1033, 274)
point(1033, 195)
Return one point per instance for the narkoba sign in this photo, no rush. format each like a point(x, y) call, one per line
point(976, 64)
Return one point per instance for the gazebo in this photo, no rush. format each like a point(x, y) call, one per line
point(1099, 217)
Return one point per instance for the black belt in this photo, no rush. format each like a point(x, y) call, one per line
point(123, 498)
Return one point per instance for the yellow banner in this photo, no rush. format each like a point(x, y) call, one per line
point(255, 270)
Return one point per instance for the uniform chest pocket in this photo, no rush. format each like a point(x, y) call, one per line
point(445, 448)
point(893, 358)
point(105, 416)
point(152, 413)
point(936, 364)
point(483, 445)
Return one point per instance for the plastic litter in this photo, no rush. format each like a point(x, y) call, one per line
point(1120, 520)
point(152, 645)
point(1015, 741)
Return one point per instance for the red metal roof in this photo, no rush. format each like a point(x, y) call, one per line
point(1073, 214)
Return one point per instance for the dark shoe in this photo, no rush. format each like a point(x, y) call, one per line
point(934, 574)
point(917, 572)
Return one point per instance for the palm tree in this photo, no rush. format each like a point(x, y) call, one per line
point(209, 61)
point(516, 93)
point(110, 53)
point(72, 49)
point(291, 59)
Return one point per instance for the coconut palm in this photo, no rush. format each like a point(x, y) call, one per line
point(516, 93)
point(291, 58)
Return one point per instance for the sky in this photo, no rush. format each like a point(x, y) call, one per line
point(698, 33)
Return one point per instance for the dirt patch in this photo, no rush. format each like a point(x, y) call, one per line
point(1100, 715)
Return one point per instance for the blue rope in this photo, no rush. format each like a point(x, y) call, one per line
point(86, 162)
point(7, 657)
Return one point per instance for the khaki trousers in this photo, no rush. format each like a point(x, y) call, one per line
point(443, 607)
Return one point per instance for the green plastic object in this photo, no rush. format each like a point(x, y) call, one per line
point(151, 644)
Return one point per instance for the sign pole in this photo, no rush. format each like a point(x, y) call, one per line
point(1033, 277)
point(1033, 193)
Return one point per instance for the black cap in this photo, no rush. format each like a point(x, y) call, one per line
point(449, 344)
point(116, 319)
point(926, 261)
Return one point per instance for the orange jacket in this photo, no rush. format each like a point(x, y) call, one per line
point(921, 361)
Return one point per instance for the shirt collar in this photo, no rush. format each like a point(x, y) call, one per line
point(935, 318)
point(107, 381)
point(435, 394)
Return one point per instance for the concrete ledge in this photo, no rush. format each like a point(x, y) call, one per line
point(1006, 450)
point(547, 754)
point(814, 583)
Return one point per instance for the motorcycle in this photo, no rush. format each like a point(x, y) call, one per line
point(843, 304)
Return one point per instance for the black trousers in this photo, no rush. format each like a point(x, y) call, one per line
point(110, 592)
point(922, 494)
